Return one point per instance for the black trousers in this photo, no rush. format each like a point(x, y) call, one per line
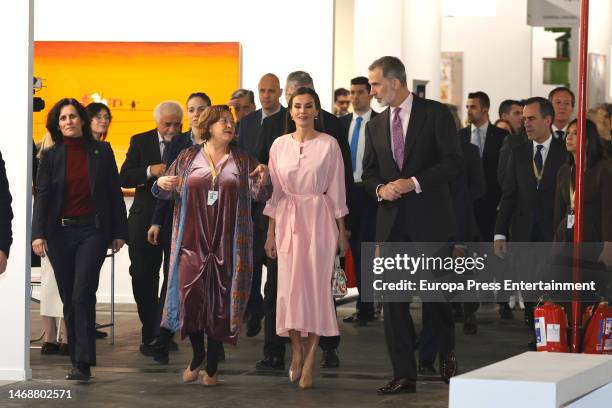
point(255, 306)
point(399, 327)
point(362, 230)
point(164, 288)
point(274, 345)
point(77, 254)
point(146, 260)
point(438, 332)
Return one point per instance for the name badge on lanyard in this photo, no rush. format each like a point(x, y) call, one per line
point(212, 197)
point(213, 194)
point(570, 212)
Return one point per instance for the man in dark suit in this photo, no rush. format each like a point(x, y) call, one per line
point(273, 127)
point(411, 154)
point(511, 111)
point(6, 217)
point(364, 205)
point(144, 163)
point(488, 139)
point(528, 193)
point(269, 95)
point(465, 189)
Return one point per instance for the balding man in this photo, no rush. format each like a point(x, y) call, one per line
point(269, 95)
point(144, 163)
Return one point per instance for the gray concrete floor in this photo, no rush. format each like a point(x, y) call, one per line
point(125, 378)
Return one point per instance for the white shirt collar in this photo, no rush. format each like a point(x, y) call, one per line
point(263, 112)
point(483, 128)
point(564, 129)
point(366, 116)
point(546, 143)
point(406, 105)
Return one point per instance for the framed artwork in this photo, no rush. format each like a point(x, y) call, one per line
point(451, 78)
point(596, 80)
point(131, 78)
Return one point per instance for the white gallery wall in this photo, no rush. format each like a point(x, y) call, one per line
point(496, 52)
point(15, 145)
point(502, 55)
point(278, 36)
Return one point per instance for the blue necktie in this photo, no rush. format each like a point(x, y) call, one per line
point(560, 134)
point(355, 141)
point(476, 141)
point(538, 159)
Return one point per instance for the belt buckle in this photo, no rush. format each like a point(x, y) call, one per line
point(63, 222)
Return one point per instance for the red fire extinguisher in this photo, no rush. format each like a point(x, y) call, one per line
point(598, 333)
point(551, 328)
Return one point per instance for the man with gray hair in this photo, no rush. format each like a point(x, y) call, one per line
point(144, 163)
point(411, 154)
point(272, 127)
point(243, 102)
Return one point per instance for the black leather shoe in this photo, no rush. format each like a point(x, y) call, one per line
point(77, 375)
point(448, 366)
point(48, 349)
point(397, 386)
point(427, 370)
point(270, 363)
point(505, 313)
point(253, 326)
point(330, 359)
point(101, 335)
point(350, 319)
point(156, 350)
point(470, 326)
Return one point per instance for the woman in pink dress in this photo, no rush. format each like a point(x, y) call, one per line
point(306, 229)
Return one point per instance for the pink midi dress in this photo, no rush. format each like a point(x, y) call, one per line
point(308, 196)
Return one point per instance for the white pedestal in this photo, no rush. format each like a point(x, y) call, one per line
point(533, 380)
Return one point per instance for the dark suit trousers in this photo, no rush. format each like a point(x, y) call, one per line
point(165, 267)
point(274, 345)
point(146, 260)
point(364, 230)
point(399, 328)
point(255, 306)
point(77, 254)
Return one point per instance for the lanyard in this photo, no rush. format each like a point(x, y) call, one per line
point(213, 170)
point(537, 175)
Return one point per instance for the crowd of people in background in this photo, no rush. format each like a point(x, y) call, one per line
point(289, 188)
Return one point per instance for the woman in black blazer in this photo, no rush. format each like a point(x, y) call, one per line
point(597, 207)
point(79, 212)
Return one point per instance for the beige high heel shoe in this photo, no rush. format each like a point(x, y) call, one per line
point(191, 376)
point(295, 369)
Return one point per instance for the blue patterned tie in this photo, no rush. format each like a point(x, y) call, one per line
point(355, 141)
point(560, 134)
point(538, 159)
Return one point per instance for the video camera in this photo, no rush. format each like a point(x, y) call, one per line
point(38, 104)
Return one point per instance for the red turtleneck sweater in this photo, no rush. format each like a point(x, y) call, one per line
point(77, 198)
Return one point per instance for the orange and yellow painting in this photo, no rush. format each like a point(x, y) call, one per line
point(131, 78)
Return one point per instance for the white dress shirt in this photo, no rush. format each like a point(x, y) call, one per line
point(360, 143)
point(544, 153)
point(162, 146)
point(564, 130)
point(483, 135)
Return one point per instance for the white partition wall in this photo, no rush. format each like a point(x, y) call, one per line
point(15, 144)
